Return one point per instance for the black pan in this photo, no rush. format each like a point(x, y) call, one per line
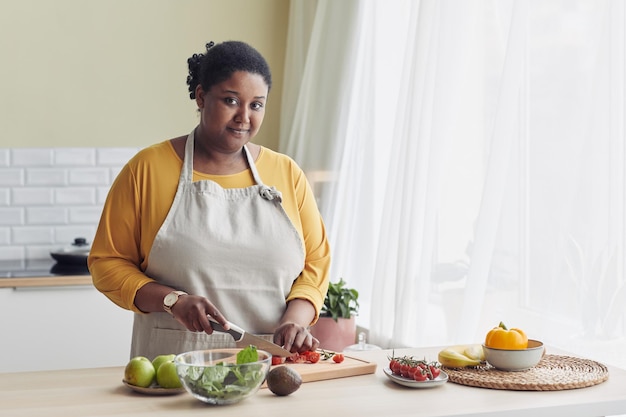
point(75, 254)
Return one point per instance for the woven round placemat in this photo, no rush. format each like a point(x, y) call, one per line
point(552, 373)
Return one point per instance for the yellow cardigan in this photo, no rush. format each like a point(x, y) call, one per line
point(140, 199)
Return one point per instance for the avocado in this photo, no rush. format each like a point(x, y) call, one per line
point(283, 380)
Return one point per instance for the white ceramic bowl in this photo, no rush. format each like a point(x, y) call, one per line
point(213, 376)
point(515, 360)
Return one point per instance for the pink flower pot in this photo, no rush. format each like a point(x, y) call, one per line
point(335, 335)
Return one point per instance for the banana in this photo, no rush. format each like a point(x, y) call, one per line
point(462, 356)
point(475, 352)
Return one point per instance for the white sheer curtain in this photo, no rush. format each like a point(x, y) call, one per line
point(468, 157)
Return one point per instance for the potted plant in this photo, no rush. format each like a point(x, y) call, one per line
point(336, 326)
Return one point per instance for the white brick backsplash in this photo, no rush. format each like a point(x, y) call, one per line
point(93, 176)
point(33, 235)
point(32, 157)
point(4, 158)
point(101, 195)
point(13, 253)
point(41, 252)
point(5, 194)
point(75, 196)
point(115, 172)
point(46, 215)
point(115, 156)
point(11, 177)
point(11, 216)
point(32, 196)
point(75, 157)
point(87, 215)
point(65, 235)
point(49, 196)
point(47, 177)
point(5, 236)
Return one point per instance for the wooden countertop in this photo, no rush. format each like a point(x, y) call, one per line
point(100, 392)
point(55, 281)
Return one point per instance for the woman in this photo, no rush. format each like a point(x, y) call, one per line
point(211, 225)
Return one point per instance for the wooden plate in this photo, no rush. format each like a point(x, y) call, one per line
point(154, 390)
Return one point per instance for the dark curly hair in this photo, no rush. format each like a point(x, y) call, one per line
point(220, 61)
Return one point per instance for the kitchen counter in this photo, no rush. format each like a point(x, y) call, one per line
point(42, 273)
point(99, 391)
point(55, 281)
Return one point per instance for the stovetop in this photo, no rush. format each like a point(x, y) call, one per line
point(39, 268)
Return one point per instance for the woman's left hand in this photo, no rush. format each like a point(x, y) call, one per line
point(295, 338)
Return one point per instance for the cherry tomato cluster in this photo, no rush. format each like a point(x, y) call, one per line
point(309, 357)
point(415, 369)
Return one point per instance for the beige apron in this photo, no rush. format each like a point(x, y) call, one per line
point(237, 247)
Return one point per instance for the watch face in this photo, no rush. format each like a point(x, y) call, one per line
point(170, 299)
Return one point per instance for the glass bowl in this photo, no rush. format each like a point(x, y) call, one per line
point(214, 377)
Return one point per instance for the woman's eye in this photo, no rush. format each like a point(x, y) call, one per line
point(257, 106)
point(230, 100)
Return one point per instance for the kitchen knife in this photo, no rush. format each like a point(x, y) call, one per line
point(244, 339)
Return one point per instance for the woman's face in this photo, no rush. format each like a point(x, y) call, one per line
point(232, 112)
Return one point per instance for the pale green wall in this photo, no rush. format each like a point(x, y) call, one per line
point(111, 73)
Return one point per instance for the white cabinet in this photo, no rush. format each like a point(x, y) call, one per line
point(47, 328)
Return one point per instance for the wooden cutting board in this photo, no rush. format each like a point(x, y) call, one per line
point(330, 370)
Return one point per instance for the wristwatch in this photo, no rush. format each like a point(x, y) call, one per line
point(171, 299)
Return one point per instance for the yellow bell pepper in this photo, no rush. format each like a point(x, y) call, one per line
point(502, 338)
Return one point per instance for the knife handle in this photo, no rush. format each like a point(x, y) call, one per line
point(235, 331)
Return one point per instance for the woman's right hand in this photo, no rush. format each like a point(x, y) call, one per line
point(193, 311)
point(190, 310)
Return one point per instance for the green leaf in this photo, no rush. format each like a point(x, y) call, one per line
point(247, 355)
point(340, 301)
point(215, 374)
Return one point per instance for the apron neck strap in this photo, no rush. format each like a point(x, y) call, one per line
point(252, 165)
point(187, 171)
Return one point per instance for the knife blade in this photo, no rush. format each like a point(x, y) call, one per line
point(244, 339)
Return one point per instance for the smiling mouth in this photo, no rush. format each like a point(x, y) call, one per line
point(239, 131)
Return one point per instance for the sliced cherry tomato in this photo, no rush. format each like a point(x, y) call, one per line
point(306, 356)
point(338, 357)
point(313, 357)
point(297, 358)
point(277, 360)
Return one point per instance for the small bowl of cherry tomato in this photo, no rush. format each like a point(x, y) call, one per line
point(415, 373)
